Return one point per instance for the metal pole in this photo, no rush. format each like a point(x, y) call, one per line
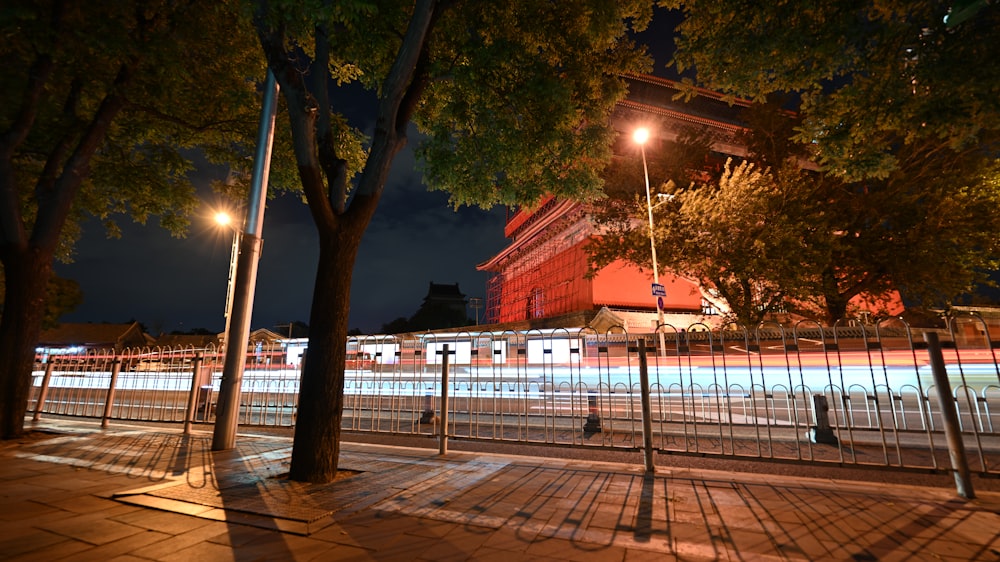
point(443, 449)
point(192, 396)
point(647, 409)
point(231, 286)
point(109, 400)
point(228, 409)
point(949, 413)
point(652, 249)
point(43, 393)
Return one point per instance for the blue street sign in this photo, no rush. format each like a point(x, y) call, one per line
point(658, 290)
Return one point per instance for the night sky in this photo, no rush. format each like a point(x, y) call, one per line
point(172, 284)
point(415, 238)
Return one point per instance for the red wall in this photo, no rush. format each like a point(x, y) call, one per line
point(561, 283)
point(562, 287)
point(623, 285)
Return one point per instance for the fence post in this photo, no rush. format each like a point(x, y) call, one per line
point(822, 432)
point(43, 393)
point(443, 448)
point(647, 410)
point(949, 414)
point(109, 401)
point(193, 394)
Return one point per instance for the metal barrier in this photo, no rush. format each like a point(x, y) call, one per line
point(765, 393)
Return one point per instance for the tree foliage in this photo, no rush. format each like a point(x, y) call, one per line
point(872, 76)
point(902, 114)
point(513, 101)
point(739, 236)
point(927, 231)
point(99, 105)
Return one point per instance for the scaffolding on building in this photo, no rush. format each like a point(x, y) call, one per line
point(544, 276)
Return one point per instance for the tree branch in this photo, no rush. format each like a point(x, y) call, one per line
point(390, 131)
point(334, 167)
point(12, 228)
point(54, 207)
point(165, 117)
point(302, 112)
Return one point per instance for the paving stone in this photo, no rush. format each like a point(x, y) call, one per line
point(94, 531)
point(205, 531)
point(17, 542)
point(124, 545)
point(410, 504)
point(210, 551)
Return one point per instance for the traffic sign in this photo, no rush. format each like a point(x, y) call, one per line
point(658, 290)
point(659, 303)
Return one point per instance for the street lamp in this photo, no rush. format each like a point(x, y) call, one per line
point(222, 218)
point(640, 136)
point(228, 405)
point(476, 303)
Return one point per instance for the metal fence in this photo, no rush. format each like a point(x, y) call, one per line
point(851, 395)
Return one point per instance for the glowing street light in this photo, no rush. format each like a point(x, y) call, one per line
point(222, 218)
point(640, 136)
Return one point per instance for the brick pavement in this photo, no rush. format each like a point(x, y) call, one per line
point(129, 493)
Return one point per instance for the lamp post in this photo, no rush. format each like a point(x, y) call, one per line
point(476, 303)
point(223, 218)
point(245, 281)
point(640, 136)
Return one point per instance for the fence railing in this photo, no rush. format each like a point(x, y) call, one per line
point(856, 395)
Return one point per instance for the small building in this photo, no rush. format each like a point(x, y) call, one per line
point(188, 341)
point(443, 307)
point(90, 336)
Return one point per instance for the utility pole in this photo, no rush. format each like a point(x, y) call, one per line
point(228, 408)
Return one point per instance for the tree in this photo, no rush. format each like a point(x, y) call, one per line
point(872, 76)
point(791, 238)
point(901, 113)
point(397, 326)
point(99, 103)
point(739, 237)
point(926, 230)
point(513, 100)
point(64, 295)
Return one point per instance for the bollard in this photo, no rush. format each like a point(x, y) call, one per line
point(949, 413)
point(43, 393)
point(116, 367)
point(593, 424)
point(196, 383)
point(822, 432)
point(647, 410)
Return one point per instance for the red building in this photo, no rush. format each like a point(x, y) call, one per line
point(540, 279)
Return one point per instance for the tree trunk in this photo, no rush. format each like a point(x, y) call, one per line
point(27, 276)
point(316, 449)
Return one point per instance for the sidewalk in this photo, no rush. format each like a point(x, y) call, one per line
point(134, 493)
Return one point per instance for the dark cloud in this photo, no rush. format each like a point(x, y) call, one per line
point(180, 284)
